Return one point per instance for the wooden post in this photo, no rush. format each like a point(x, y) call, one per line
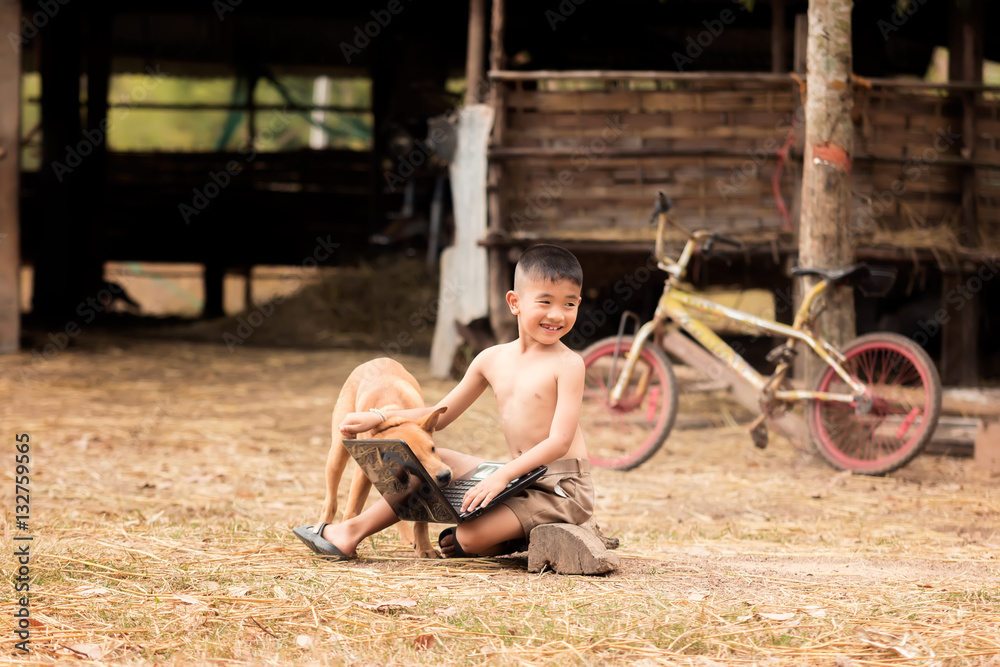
point(95, 168)
point(502, 323)
point(10, 122)
point(824, 227)
point(801, 43)
point(60, 284)
point(474, 51)
point(778, 36)
point(960, 334)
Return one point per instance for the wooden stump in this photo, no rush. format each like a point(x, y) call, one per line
point(568, 549)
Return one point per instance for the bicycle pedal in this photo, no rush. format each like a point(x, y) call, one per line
point(759, 435)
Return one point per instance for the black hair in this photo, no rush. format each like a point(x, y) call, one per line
point(549, 262)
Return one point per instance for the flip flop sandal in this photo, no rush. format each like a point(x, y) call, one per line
point(315, 541)
point(459, 551)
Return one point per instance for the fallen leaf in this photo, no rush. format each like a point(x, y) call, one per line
point(697, 597)
point(237, 591)
point(447, 611)
point(188, 599)
point(90, 651)
point(411, 617)
point(777, 617)
point(744, 618)
point(279, 592)
point(424, 641)
point(388, 605)
point(304, 641)
point(90, 591)
point(901, 646)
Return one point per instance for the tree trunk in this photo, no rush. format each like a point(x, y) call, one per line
point(824, 226)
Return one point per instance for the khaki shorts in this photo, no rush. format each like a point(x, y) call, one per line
point(564, 494)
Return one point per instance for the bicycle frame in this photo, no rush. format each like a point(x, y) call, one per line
point(674, 305)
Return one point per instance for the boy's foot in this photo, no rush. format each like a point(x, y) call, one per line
point(319, 543)
point(450, 548)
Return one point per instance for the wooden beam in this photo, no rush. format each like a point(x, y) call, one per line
point(721, 77)
point(800, 44)
point(474, 65)
point(778, 40)
point(10, 118)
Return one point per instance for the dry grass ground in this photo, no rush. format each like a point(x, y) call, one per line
point(165, 479)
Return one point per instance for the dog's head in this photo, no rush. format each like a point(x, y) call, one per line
point(417, 434)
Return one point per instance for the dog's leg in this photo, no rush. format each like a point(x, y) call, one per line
point(337, 459)
point(405, 531)
point(360, 486)
point(422, 541)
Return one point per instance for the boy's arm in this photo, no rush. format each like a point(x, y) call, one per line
point(565, 422)
point(457, 401)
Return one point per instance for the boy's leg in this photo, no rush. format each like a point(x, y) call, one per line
point(347, 535)
point(486, 535)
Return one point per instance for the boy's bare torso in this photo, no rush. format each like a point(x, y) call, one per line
point(526, 388)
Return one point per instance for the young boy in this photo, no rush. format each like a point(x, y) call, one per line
point(538, 384)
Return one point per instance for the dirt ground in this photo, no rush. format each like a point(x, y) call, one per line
point(165, 478)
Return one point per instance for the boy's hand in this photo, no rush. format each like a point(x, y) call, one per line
point(482, 494)
point(359, 422)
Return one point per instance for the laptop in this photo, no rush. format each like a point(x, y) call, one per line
point(409, 489)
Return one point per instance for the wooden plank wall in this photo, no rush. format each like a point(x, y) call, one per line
point(590, 161)
point(584, 159)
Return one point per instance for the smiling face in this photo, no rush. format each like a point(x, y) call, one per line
point(546, 310)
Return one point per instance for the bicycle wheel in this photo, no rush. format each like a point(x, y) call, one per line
point(626, 435)
point(906, 402)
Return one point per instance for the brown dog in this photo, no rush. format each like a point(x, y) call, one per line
point(386, 385)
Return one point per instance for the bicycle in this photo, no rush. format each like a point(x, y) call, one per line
point(874, 407)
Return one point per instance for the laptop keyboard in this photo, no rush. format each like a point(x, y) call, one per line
point(455, 491)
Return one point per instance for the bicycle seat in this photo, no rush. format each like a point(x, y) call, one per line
point(872, 281)
point(835, 276)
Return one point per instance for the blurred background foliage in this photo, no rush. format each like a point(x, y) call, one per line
point(131, 127)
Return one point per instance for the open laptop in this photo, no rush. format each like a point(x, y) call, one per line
point(410, 490)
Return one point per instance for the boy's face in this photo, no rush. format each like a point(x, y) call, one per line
point(546, 310)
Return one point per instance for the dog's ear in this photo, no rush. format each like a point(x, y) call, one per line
point(389, 423)
point(429, 423)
